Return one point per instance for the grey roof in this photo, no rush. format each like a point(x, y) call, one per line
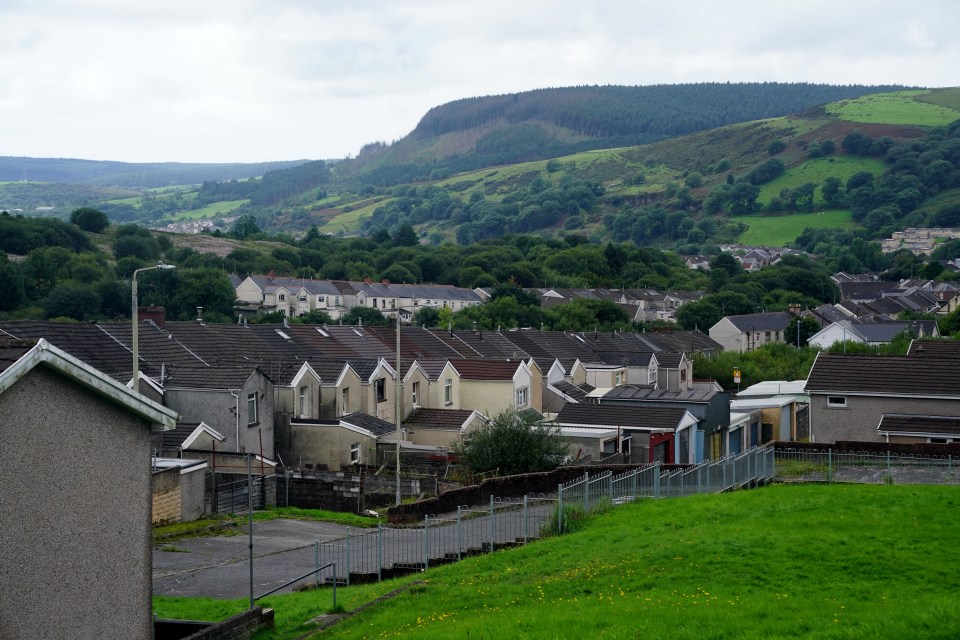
point(13, 350)
point(646, 394)
point(666, 418)
point(174, 438)
point(187, 377)
point(571, 390)
point(774, 321)
point(944, 348)
point(446, 419)
point(938, 425)
point(889, 375)
point(374, 425)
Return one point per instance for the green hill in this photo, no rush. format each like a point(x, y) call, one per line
point(780, 562)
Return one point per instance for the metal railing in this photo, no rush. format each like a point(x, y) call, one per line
point(865, 467)
point(387, 551)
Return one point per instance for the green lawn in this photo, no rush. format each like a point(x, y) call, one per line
point(900, 107)
point(788, 561)
point(778, 230)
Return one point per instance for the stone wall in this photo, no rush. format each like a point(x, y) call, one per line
point(166, 496)
point(341, 491)
point(851, 446)
point(240, 627)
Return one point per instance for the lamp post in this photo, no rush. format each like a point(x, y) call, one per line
point(134, 315)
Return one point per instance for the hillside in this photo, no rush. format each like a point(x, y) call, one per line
point(485, 131)
point(128, 174)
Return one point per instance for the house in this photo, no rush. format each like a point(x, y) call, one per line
point(490, 386)
point(852, 397)
point(179, 490)
point(336, 444)
point(751, 331)
point(777, 418)
point(75, 544)
point(870, 333)
point(237, 402)
point(707, 402)
point(648, 434)
point(441, 428)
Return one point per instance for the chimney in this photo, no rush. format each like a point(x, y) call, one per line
point(157, 314)
point(367, 281)
point(199, 315)
point(384, 281)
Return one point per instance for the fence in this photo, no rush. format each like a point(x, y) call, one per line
point(864, 467)
point(393, 550)
point(231, 497)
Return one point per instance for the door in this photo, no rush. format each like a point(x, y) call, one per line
point(661, 448)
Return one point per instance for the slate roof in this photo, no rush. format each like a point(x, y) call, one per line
point(669, 360)
point(569, 389)
point(502, 370)
point(666, 418)
point(174, 438)
point(939, 425)
point(774, 321)
point(648, 394)
point(935, 348)
point(13, 350)
point(374, 425)
point(186, 377)
point(446, 419)
point(891, 375)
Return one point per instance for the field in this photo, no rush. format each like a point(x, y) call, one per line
point(816, 171)
point(777, 231)
point(787, 561)
point(901, 107)
point(212, 209)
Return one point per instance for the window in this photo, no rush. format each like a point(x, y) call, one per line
point(448, 391)
point(381, 387)
point(252, 417)
point(302, 298)
point(373, 302)
point(618, 379)
point(355, 453)
point(522, 397)
point(767, 336)
point(320, 300)
point(836, 401)
point(336, 301)
point(303, 401)
point(345, 401)
point(415, 393)
point(281, 297)
point(651, 375)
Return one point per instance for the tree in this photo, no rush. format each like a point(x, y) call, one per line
point(72, 300)
point(698, 315)
point(426, 317)
point(12, 293)
point(367, 316)
point(315, 316)
point(89, 219)
point(513, 443)
point(244, 227)
point(207, 288)
point(808, 327)
point(405, 236)
point(726, 262)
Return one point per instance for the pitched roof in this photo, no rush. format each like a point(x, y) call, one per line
point(935, 348)
point(447, 419)
point(486, 369)
point(13, 350)
point(374, 425)
point(571, 390)
point(652, 418)
point(649, 394)
point(187, 377)
point(904, 424)
point(893, 375)
point(775, 321)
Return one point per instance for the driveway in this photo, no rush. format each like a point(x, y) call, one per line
point(217, 567)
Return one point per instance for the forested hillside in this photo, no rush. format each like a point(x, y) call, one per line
point(479, 132)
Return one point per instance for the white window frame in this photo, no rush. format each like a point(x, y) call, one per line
point(345, 400)
point(303, 401)
point(253, 415)
point(448, 391)
point(415, 393)
point(380, 389)
point(837, 402)
point(522, 397)
point(355, 453)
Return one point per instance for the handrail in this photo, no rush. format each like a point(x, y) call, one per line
point(307, 575)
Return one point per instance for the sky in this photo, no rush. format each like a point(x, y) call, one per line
point(264, 80)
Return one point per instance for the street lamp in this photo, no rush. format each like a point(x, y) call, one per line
point(136, 321)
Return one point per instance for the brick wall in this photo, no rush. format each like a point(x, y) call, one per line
point(166, 507)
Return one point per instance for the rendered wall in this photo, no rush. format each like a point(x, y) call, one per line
point(75, 558)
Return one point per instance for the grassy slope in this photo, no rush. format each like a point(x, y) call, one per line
point(899, 108)
point(806, 561)
point(778, 230)
point(817, 170)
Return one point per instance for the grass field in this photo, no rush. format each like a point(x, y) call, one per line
point(350, 221)
point(777, 231)
point(816, 171)
point(787, 561)
point(900, 107)
point(213, 209)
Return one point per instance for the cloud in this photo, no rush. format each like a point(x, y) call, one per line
point(251, 80)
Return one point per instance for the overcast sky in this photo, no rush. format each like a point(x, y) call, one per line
point(253, 80)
